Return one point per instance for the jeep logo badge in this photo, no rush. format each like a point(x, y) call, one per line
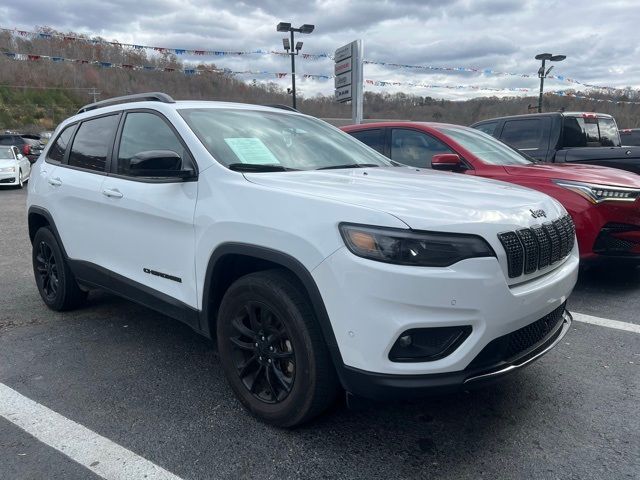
point(538, 213)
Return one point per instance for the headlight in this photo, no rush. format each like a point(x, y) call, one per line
point(600, 193)
point(8, 169)
point(410, 247)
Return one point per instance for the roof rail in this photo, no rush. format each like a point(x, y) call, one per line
point(283, 107)
point(138, 97)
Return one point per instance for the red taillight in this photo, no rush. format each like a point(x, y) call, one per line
point(589, 115)
point(26, 149)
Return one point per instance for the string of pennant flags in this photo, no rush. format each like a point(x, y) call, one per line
point(306, 56)
point(203, 70)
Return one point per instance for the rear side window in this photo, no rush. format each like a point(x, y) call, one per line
point(609, 136)
point(9, 140)
point(522, 134)
point(488, 128)
point(371, 138)
point(56, 152)
point(630, 137)
point(415, 149)
point(143, 132)
point(92, 143)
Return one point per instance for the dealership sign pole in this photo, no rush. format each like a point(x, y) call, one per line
point(348, 77)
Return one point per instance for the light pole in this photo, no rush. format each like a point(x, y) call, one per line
point(542, 74)
point(289, 47)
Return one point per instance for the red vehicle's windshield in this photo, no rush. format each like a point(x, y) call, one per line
point(485, 147)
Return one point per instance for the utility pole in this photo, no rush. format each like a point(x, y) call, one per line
point(94, 92)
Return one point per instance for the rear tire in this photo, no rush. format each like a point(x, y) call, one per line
point(56, 284)
point(272, 350)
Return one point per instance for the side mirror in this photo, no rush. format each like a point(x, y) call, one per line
point(449, 162)
point(158, 163)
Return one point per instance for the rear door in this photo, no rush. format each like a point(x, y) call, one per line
point(149, 221)
point(74, 187)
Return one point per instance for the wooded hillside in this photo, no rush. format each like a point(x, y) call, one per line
point(54, 90)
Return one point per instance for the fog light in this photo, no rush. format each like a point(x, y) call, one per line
point(428, 344)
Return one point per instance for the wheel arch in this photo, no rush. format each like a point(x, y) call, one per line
point(38, 217)
point(230, 261)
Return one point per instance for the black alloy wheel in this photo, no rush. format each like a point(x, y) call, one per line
point(47, 270)
point(56, 283)
point(272, 350)
point(263, 353)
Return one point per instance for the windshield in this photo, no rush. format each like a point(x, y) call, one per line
point(253, 140)
point(6, 153)
point(485, 147)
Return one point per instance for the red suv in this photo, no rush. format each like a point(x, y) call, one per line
point(602, 201)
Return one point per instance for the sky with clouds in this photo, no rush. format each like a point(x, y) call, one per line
point(600, 38)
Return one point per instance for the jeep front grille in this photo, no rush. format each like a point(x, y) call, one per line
point(531, 249)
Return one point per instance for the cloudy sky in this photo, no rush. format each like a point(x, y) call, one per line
point(600, 38)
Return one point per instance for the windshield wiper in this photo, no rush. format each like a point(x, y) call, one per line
point(257, 167)
point(349, 165)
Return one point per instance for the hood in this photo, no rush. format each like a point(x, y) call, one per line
point(423, 199)
point(577, 173)
point(7, 163)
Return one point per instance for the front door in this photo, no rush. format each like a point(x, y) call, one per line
point(149, 220)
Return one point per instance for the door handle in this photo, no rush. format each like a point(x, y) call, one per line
point(112, 193)
point(56, 182)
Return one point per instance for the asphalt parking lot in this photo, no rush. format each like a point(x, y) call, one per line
point(151, 385)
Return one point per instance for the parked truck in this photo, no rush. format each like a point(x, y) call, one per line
point(576, 137)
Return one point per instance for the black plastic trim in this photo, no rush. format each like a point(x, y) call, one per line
point(385, 387)
point(285, 260)
point(92, 275)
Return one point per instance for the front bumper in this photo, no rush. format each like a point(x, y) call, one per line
point(8, 178)
point(618, 240)
point(388, 387)
point(370, 304)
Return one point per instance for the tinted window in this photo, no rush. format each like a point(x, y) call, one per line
point(143, 132)
point(573, 134)
point(56, 152)
point(372, 138)
point(92, 142)
point(630, 137)
point(10, 140)
point(488, 128)
point(608, 132)
point(523, 133)
point(415, 149)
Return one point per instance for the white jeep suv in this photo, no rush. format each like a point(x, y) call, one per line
point(314, 261)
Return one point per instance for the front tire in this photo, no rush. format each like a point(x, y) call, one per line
point(20, 180)
point(56, 283)
point(272, 350)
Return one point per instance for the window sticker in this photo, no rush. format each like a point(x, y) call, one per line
point(251, 150)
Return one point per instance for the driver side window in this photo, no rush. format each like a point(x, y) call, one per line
point(143, 132)
point(414, 148)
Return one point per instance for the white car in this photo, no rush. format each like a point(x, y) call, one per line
point(15, 168)
point(315, 262)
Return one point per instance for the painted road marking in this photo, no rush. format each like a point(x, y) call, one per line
point(605, 322)
point(99, 454)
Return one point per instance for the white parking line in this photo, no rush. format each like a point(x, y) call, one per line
point(605, 322)
point(99, 454)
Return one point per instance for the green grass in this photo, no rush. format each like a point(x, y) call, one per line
point(31, 109)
